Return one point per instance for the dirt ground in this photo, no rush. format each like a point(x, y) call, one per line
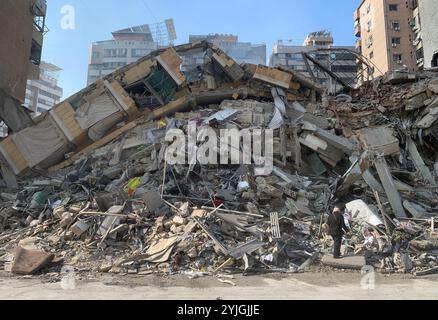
point(316, 284)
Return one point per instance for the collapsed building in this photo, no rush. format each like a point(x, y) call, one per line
point(88, 184)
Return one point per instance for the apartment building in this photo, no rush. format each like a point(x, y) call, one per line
point(127, 46)
point(340, 60)
point(425, 26)
point(21, 36)
point(385, 36)
point(43, 94)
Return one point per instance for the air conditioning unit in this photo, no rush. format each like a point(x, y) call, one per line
point(397, 28)
point(394, 45)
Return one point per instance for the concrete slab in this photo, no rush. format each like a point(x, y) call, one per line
point(28, 262)
point(349, 262)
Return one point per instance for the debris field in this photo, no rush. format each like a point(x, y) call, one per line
point(88, 184)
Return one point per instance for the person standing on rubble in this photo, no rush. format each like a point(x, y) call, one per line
point(337, 229)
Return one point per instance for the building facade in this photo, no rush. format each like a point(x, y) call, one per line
point(425, 26)
point(22, 32)
point(127, 46)
point(340, 60)
point(43, 94)
point(385, 36)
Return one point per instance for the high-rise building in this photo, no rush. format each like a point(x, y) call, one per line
point(318, 46)
point(425, 26)
point(43, 94)
point(241, 52)
point(21, 36)
point(385, 36)
point(127, 46)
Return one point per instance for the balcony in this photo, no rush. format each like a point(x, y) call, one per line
point(356, 15)
point(39, 8)
point(357, 30)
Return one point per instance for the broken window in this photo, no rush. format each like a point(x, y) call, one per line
point(396, 41)
point(35, 53)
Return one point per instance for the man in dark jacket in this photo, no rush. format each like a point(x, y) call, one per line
point(337, 229)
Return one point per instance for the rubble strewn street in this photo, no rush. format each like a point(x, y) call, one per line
point(88, 184)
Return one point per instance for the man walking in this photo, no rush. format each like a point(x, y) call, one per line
point(337, 229)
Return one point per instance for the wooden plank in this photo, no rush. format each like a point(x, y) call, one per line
point(390, 188)
point(100, 143)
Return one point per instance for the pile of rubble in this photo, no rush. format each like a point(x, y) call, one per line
point(94, 190)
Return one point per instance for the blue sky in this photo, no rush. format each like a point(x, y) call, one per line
point(254, 21)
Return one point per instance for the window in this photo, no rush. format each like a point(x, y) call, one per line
point(344, 69)
point(297, 56)
point(396, 25)
point(396, 40)
point(47, 94)
point(113, 65)
point(370, 41)
point(44, 102)
point(122, 53)
point(139, 52)
point(368, 8)
point(393, 7)
point(115, 53)
point(107, 53)
point(397, 57)
point(321, 56)
point(371, 54)
point(96, 55)
point(369, 25)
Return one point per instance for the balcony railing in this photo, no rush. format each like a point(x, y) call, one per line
point(357, 30)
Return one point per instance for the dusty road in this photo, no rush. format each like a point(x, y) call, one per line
point(296, 287)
